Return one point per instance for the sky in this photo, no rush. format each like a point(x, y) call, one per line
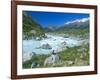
point(46, 19)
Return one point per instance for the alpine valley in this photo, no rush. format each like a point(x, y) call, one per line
point(70, 41)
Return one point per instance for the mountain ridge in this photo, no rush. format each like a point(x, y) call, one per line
point(31, 28)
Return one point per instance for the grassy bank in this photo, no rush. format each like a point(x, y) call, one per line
point(75, 56)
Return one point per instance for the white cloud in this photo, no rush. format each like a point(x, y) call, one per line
point(77, 20)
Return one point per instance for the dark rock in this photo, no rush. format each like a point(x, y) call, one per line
point(46, 46)
point(32, 54)
point(64, 43)
point(33, 65)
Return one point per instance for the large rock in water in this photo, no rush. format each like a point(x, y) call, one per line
point(46, 46)
point(64, 43)
point(62, 46)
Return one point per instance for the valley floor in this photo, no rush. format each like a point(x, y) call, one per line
point(77, 55)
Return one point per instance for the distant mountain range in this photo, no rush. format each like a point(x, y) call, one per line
point(76, 24)
point(78, 20)
point(31, 28)
point(50, 28)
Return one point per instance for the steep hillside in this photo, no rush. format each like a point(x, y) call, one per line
point(31, 28)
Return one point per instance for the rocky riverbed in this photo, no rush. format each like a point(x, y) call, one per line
point(45, 46)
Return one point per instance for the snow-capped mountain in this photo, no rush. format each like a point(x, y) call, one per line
point(78, 20)
point(76, 24)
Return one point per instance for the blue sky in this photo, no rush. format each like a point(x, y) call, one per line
point(46, 19)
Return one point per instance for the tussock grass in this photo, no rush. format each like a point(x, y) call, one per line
point(75, 56)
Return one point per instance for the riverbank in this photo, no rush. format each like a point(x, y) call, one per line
point(74, 56)
point(72, 51)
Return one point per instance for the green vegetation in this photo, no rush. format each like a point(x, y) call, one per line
point(76, 29)
point(31, 28)
point(79, 56)
point(79, 33)
point(75, 56)
point(37, 59)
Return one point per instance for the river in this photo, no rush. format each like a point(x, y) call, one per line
point(30, 46)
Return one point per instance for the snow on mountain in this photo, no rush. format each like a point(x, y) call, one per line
point(78, 20)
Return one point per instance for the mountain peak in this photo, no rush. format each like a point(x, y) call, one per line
point(78, 20)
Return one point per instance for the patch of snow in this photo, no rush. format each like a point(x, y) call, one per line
point(77, 20)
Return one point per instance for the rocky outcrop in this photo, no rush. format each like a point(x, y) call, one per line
point(46, 46)
point(51, 60)
point(62, 46)
point(64, 43)
point(34, 64)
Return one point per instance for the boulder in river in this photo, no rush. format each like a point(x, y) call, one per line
point(65, 36)
point(62, 46)
point(32, 54)
point(38, 38)
point(64, 43)
point(46, 46)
